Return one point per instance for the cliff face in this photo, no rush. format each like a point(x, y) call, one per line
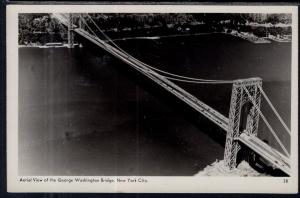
point(41, 28)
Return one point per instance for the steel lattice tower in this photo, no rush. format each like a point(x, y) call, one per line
point(243, 116)
point(70, 32)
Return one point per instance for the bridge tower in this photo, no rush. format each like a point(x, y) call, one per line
point(243, 116)
point(80, 22)
point(70, 32)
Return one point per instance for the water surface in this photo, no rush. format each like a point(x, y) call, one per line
point(82, 112)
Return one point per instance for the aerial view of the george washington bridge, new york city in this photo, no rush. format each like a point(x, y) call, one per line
point(163, 94)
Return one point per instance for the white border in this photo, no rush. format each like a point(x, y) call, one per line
point(155, 184)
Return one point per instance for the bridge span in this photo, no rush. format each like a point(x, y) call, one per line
point(244, 91)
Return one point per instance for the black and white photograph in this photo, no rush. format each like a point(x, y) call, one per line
point(112, 97)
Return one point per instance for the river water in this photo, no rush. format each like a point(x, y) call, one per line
point(83, 112)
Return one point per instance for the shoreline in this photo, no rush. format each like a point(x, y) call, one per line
point(60, 45)
point(126, 38)
point(166, 36)
point(250, 38)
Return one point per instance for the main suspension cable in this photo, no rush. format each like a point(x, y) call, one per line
point(188, 79)
point(199, 82)
point(84, 21)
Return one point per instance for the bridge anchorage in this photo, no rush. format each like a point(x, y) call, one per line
point(241, 126)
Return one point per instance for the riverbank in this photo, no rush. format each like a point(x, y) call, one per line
point(267, 25)
point(249, 37)
point(163, 36)
point(48, 45)
point(32, 45)
point(281, 39)
point(245, 36)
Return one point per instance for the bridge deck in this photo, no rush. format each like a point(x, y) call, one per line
point(271, 155)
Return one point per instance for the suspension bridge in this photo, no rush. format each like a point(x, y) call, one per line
point(241, 126)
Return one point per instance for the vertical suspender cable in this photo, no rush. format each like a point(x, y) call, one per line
point(275, 111)
point(266, 122)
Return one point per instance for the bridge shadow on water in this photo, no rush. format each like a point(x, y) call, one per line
point(187, 147)
point(205, 93)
